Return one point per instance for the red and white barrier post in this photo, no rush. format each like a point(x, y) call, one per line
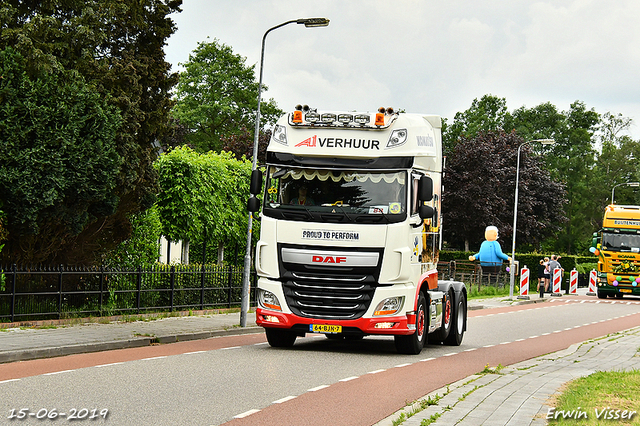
point(524, 283)
point(592, 283)
point(573, 282)
point(556, 280)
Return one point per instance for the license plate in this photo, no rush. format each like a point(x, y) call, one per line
point(325, 328)
point(626, 290)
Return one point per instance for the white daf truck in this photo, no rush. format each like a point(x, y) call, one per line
point(350, 231)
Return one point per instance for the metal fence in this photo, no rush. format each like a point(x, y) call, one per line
point(472, 273)
point(28, 293)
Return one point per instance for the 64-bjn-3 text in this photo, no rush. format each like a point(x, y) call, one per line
point(73, 414)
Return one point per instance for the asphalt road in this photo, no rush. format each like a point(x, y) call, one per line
point(241, 380)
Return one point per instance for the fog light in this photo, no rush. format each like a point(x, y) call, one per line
point(389, 306)
point(385, 325)
point(270, 318)
point(268, 300)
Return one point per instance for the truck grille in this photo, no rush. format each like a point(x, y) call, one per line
point(329, 291)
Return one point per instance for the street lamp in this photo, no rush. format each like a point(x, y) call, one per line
point(515, 210)
point(246, 288)
point(636, 184)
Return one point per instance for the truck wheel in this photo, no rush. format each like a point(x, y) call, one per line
point(458, 322)
point(442, 333)
point(413, 344)
point(602, 295)
point(619, 295)
point(280, 338)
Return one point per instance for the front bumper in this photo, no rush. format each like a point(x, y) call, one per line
point(273, 319)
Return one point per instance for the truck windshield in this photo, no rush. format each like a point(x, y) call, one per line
point(364, 196)
point(622, 242)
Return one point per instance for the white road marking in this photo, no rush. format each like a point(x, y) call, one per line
point(246, 413)
point(317, 388)
point(285, 399)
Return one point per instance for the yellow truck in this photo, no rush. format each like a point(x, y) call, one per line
point(617, 246)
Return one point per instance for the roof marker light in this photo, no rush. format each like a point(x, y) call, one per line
point(328, 118)
point(345, 118)
point(312, 117)
point(362, 119)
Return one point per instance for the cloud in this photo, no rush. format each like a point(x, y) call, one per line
point(432, 57)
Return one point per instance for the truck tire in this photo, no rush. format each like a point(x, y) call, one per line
point(458, 322)
point(413, 344)
point(280, 338)
point(602, 295)
point(442, 333)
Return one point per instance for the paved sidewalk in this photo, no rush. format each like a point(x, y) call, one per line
point(518, 394)
point(22, 343)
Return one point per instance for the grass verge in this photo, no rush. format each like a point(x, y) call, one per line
point(601, 398)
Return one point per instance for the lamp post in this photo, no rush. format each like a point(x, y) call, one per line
point(515, 210)
point(636, 184)
point(246, 288)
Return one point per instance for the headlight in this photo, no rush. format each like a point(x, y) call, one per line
point(389, 306)
point(398, 137)
point(280, 134)
point(268, 300)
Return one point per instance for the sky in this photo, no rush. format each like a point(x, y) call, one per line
point(432, 57)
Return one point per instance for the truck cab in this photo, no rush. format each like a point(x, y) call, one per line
point(617, 246)
point(350, 230)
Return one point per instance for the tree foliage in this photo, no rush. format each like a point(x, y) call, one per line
point(203, 193)
point(485, 115)
point(572, 160)
point(217, 96)
point(479, 182)
point(58, 159)
point(116, 48)
point(241, 144)
point(141, 248)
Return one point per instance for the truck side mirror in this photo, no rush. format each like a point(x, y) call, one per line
point(253, 204)
point(426, 212)
point(425, 189)
point(256, 182)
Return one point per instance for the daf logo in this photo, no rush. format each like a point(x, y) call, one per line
point(329, 259)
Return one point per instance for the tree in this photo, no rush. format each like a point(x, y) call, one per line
point(540, 122)
point(480, 179)
point(217, 96)
point(241, 144)
point(572, 160)
point(203, 194)
point(58, 159)
point(117, 48)
point(617, 163)
point(485, 115)
point(141, 248)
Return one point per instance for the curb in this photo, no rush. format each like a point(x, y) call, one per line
point(479, 306)
point(56, 351)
